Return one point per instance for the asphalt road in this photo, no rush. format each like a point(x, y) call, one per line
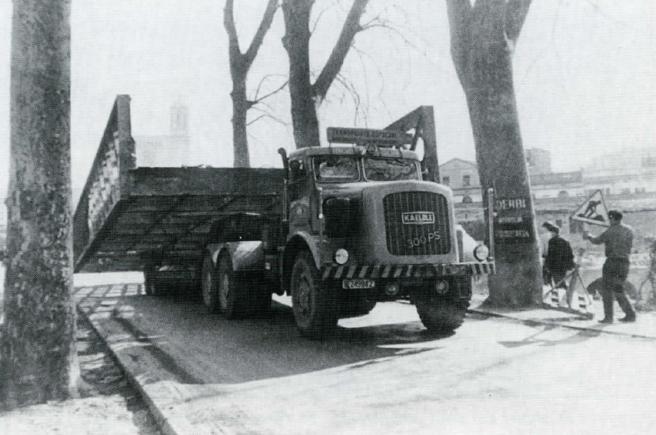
point(383, 373)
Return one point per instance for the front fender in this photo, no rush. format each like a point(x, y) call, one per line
point(304, 238)
point(245, 256)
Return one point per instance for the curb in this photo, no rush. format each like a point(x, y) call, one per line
point(168, 426)
point(533, 322)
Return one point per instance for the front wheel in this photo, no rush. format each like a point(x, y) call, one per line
point(314, 305)
point(442, 314)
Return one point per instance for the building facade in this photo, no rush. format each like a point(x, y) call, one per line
point(169, 150)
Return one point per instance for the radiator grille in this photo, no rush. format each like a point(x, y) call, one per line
point(416, 223)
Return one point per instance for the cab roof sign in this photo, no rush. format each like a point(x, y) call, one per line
point(365, 136)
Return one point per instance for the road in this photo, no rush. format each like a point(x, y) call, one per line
point(383, 373)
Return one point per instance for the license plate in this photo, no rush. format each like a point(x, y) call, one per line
point(352, 284)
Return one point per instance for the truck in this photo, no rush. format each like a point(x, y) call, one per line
point(338, 228)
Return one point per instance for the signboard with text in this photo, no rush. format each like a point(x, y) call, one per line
point(368, 136)
point(513, 222)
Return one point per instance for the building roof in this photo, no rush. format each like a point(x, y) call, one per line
point(459, 160)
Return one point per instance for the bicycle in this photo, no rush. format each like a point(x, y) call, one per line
point(647, 289)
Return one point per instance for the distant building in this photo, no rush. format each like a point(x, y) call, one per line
point(166, 150)
point(462, 177)
point(631, 171)
point(538, 161)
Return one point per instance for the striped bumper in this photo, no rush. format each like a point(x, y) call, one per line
point(388, 271)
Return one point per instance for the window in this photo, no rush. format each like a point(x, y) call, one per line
point(563, 194)
point(336, 169)
point(379, 169)
point(467, 199)
point(466, 180)
point(446, 180)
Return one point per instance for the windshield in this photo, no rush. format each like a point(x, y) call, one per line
point(336, 168)
point(380, 169)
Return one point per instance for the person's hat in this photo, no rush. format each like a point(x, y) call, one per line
point(551, 227)
point(615, 214)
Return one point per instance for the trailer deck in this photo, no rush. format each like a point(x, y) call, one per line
point(128, 215)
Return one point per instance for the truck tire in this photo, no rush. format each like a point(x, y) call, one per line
point(208, 285)
point(441, 314)
point(314, 305)
point(233, 297)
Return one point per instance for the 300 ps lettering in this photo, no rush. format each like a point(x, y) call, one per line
point(422, 240)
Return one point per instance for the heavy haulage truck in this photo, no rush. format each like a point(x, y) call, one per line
point(339, 228)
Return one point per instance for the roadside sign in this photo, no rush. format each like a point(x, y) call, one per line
point(593, 211)
point(364, 136)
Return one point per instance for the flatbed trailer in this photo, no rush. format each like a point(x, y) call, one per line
point(339, 228)
point(128, 216)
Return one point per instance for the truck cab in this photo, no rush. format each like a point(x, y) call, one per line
point(363, 227)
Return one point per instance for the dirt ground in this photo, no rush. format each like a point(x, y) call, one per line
point(108, 404)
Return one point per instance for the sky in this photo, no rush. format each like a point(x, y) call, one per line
point(585, 74)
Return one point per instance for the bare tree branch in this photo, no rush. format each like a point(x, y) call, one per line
point(264, 80)
point(267, 114)
point(330, 70)
point(229, 24)
point(262, 30)
point(269, 94)
point(516, 11)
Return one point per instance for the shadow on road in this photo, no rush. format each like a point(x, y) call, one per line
point(536, 339)
point(197, 347)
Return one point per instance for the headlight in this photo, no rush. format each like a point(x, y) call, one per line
point(341, 256)
point(481, 252)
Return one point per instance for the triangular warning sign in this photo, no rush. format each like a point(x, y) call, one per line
point(593, 211)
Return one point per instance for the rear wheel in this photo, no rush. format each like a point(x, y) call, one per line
point(232, 295)
point(443, 313)
point(314, 305)
point(208, 285)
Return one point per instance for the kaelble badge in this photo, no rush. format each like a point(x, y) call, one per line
point(593, 211)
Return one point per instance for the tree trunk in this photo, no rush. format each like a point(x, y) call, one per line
point(38, 336)
point(240, 64)
point(239, 133)
point(482, 39)
point(297, 43)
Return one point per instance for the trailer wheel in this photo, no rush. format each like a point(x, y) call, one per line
point(232, 295)
point(440, 314)
point(314, 305)
point(208, 285)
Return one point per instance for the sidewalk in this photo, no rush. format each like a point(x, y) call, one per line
point(643, 327)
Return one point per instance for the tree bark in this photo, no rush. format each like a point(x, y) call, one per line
point(240, 64)
point(38, 336)
point(482, 43)
point(306, 96)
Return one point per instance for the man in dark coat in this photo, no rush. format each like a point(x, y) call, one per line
point(559, 257)
point(618, 241)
